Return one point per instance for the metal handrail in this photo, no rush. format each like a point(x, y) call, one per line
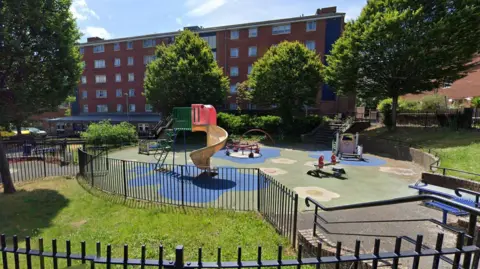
point(476, 194)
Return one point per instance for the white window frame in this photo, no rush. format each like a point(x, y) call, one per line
point(234, 34)
point(118, 77)
point(100, 79)
point(251, 32)
point(130, 106)
point(98, 49)
point(115, 62)
point(84, 80)
point(132, 62)
point(116, 46)
point(251, 54)
point(97, 64)
point(311, 29)
point(121, 108)
point(130, 91)
point(101, 94)
point(84, 94)
point(148, 106)
point(281, 29)
point(148, 59)
point(117, 91)
point(103, 110)
point(310, 42)
point(237, 54)
point(129, 45)
point(81, 50)
point(149, 43)
point(131, 77)
point(232, 74)
point(85, 109)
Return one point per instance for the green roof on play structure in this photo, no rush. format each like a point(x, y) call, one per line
point(182, 118)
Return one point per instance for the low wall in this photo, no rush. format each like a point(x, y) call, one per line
point(397, 151)
point(450, 182)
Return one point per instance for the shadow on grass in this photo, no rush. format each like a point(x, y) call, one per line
point(26, 213)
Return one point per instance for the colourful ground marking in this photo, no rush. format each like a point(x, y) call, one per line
point(196, 190)
point(266, 153)
point(368, 160)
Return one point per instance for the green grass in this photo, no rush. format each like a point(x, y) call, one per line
point(63, 209)
point(456, 149)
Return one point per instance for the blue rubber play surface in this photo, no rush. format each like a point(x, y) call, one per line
point(368, 160)
point(265, 152)
point(198, 187)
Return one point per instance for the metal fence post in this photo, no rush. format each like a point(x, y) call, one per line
point(106, 158)
point(44, 161)
point(258, 190)
point(295, 216)
point(178, 257)
point(182, 185)
point(91, 168)
point(124, 179)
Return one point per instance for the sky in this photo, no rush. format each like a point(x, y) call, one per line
point(123, 18)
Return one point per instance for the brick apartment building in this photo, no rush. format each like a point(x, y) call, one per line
point(111, 86)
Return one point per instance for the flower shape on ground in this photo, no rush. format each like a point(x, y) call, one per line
point(283, 161)
point(397, 171)
point(316, 193)
point(273, 171)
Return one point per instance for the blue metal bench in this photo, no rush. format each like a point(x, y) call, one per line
point(445, 208)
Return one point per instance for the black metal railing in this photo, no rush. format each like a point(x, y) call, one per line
point(455, 172)
point(29, 257)
point(34, 159)
point(240, 189)
point(463, 240)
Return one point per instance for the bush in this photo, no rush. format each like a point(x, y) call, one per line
point(476, 102)
point(106, 133)
point(433, 102)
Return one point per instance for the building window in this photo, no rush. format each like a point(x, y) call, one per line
point(234, 52)
point(117, 62)
point(119, 108)
point(233, 106)
point(98, 49)
point(131, 107)
point(148, 43)
point(84, 80)
point(281, 29)
point(233, 88)
point(100, 79)
point(118, 92)
point(82, 50)
point(102, 108)
point(252, 32)
point(131, 93)
point(131, 77)
point(129, 45)
point(310, 45)
point(84, 94)
point(234, 34)
point(252, 106)
point(84, 65)
point(118, 77)
point(249, 69)
point(85, 108)
point(252, 51)
point(311, 26)
point(214, 55)
point(130, 61)
point(234, 71)
point(116, 46)
point(99, 64)
point(148, 108)
point(148, 59)
point(101, 93)
point(211, 40)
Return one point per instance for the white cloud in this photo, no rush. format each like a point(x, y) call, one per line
point(179, 20)
point(91, 31)
point(81, 11)
point(202, 8)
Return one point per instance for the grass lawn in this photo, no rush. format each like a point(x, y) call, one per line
point(457, 149)
point(62, 209)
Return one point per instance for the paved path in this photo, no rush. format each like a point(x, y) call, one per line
point(383, 222)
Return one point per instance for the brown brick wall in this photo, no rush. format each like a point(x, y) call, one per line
point(450, 182)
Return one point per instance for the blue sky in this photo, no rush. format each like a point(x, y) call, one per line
point(122, 18)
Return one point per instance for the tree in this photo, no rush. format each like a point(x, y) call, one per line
point(397, 47)
point(287, 76)
point(39, 62)
point(476, 102)
point(185, 73)
point(70, 99)
point(244, 95)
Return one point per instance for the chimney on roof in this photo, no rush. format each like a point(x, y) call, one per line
point(95, 38)
point(326, 10)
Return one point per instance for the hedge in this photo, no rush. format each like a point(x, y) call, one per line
point(106, 133)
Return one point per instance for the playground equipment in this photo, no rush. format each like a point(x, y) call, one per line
point(319, 172)
point(145, 146)
point(242, 146)
point(197, 118)
point(346, 146)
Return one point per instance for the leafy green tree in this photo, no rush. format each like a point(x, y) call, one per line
point(70, 99)
point(397, 47)
point(244, 95)
point(476, 102)
point(185, 73)
point(287, 76)
point(39, 62)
